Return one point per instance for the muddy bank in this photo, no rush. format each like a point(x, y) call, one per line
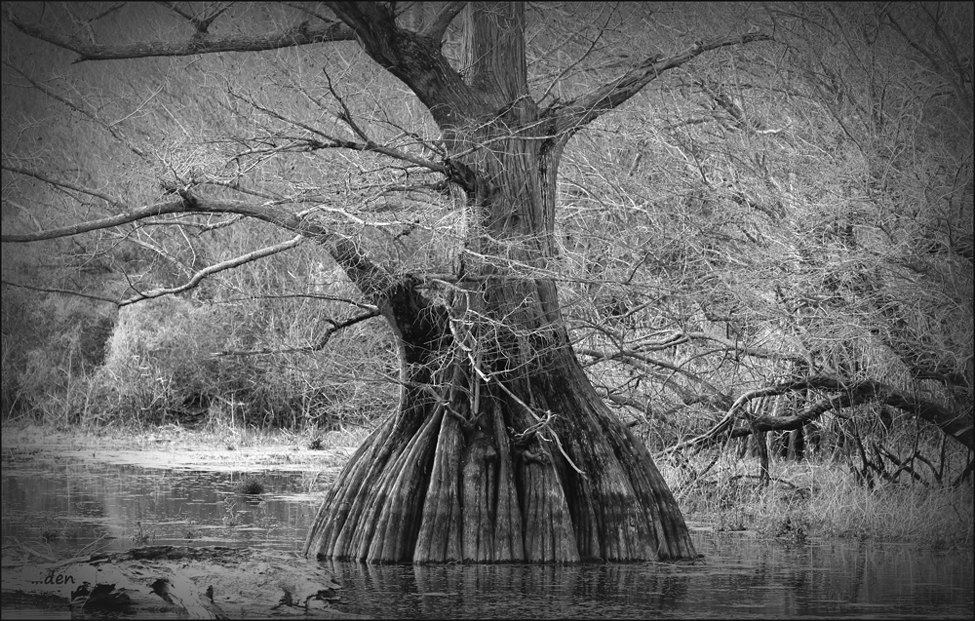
point(165, 523)
point(199, 583)
point(176, 448)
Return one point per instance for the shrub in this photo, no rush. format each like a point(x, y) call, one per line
point(161, 366)
point(159, 361)
point(52, 344)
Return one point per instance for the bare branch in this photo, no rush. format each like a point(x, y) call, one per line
point(578, 61)
point(95, 225)
point(79, 294)
point(373, 280)
point(726, 422)
point(410, 57)
point(955, 424)
point(336, 326)
point(642, 407)
point(346, 114)
point(330, 142)
point(573, 115)
point(199, 43)
point(175, 8)
point(217, 268)
point(638, 360)
point(756, 352)
point(58, 183)
point(955, 76)
point(309, 9)
point(108, 11)
point(201, 22)
point(109, 127)
point(958, 426)
point(439, 25)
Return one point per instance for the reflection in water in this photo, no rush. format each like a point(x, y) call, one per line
point(512, 591)
point(740, 578)
point(63, 505)
point(67, 505)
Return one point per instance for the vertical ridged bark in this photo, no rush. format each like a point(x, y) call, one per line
point(398, 497)
point(489, 492)
point(508, 544)
point(480, 487)
point(439, 539)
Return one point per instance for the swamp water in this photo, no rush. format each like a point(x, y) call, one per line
point(60, 505)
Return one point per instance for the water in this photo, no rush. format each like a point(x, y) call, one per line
point(58, 506)
point(62, 505)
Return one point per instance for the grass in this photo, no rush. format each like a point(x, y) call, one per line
point(251, 486)
point(819, 499)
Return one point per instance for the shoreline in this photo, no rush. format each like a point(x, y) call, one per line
point(832, 504)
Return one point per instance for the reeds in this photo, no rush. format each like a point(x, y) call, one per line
point(820, 499)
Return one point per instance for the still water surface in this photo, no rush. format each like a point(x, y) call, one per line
point(61, 506)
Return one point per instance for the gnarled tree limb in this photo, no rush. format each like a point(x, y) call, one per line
point(199, 43)
point(573, 115)
point(846, 394)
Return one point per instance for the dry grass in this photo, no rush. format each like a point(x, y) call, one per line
point(936, 516)
point(819, 499)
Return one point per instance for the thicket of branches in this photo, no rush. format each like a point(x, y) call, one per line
point(777, 237)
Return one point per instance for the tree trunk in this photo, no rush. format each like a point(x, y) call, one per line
point(480, 476)
point(500, 449)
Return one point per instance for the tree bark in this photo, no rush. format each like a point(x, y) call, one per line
point(480, 476)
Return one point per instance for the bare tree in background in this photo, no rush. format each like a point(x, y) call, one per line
point(794, 218)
